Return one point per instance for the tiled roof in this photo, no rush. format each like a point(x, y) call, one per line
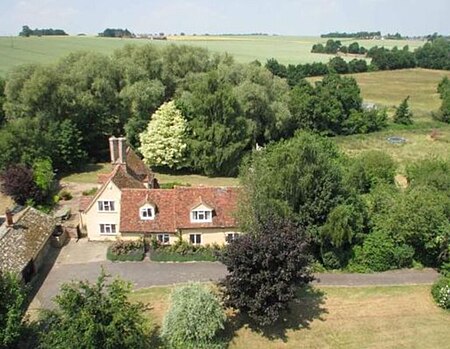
point(173, 207)
point(24, 240)
point(85, 201)
point(122, 179)
point(137, 168)
point(132, 200)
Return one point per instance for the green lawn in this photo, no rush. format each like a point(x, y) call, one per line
point(389, 88)
point(90, 172)
point(287, 49)
point(339, 317)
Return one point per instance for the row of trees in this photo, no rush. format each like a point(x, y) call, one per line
point(26, 31)
point(443, 89)
point(357, 35)
point(66, 111)
point(116, 33)
point(296, 73)
point(335, 46)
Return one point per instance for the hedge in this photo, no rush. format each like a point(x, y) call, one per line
point(163, 255)
point(135, 255)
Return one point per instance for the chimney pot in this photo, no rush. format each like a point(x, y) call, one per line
point(113, 149)
point(122, 145)
point(9, 218)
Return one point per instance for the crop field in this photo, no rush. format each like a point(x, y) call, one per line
point(339, 317)
point(287, 49)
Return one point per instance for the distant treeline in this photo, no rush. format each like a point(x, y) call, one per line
point(435, 54)
point(26, 31)
point(116, 33)
point(296, 73)
point(335, 46)
point(358, 35)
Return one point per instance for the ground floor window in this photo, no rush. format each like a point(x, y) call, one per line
point(163, 238)
point(107, 228)
point(231, 237)
point(195, 239)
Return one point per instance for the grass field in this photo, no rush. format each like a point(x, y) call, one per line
point(287, 49)
point(340, 317)
point(90, 172)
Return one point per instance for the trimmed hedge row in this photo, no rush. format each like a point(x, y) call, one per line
point(164, 255)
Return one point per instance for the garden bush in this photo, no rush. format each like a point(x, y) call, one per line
point(122, 250)
point(194, 319)
point(379, 252)
point(441, 292)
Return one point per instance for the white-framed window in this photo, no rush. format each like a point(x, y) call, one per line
point(201, 216)
point(107, 229)
point(147, 213)
point(195, 239)
point(231, 237)
point(106, 206)
point(163, 238)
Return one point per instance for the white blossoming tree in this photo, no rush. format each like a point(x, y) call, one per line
point(163, 142)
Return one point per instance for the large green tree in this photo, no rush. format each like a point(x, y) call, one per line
point(94, 316)
point(163, 143)
point(12, 301)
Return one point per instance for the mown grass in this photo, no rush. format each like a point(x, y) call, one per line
point(338, 317)
point(287, 49)
point(90, 172)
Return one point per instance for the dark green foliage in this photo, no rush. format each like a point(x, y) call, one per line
point(43, 175)
point(441, 292)
point(435, 54)
point(403, 114)
point(419, 218)
point(2, 101)
point(18, 183)
point(357, 66)
point(338, 65)
point(122, 250)
point(182, 251)
point(380, 252)
point(368, 170)
point(385, 59)
point(116, 33)
point(430, 172)
point(94, 316)
point(218, 133)
point(298, 178)
point(26, 31)
point(194, 319)
point(333, 107)
point(12, 302)
point(444, 91)
point(356, 35)
point(266, 266)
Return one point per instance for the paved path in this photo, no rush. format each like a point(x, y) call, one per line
point(147, 274)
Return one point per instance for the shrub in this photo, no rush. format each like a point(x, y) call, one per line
point(18, 183)
point(122, 250)
point(183, 251)
point(379, 253)
point(441, 292)
point(194, 319)
point(65, 195)
point(90, 192)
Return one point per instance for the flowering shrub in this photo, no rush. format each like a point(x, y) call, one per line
point(441, 292)
point(121, 250)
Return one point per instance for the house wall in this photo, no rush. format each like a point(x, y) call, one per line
point(93, 218)
point(209, 235)
point(134, 236)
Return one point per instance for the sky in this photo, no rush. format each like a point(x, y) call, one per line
point(284, 17)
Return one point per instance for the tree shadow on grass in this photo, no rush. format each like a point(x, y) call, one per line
point(303, 310)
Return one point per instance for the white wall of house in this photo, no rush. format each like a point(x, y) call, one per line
point(209, 235)
point(93, 217)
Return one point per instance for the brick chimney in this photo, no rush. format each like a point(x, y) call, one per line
point(122, 145)
point(113, 149)
point(9, 218)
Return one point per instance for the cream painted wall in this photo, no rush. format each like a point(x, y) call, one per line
point(93, 218)
point(209, 235)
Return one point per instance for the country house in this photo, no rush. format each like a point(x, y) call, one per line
point(130, 204)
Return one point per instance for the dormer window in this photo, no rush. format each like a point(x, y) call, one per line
point(147, 212)
point(201, 215)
